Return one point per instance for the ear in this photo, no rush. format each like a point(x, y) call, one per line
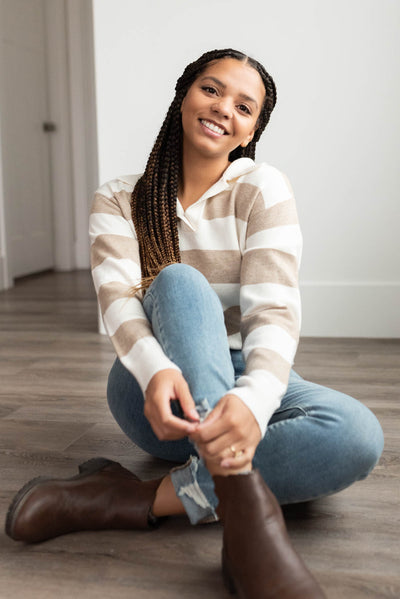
point(248, 139)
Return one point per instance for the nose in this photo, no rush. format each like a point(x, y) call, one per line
point(224, 107)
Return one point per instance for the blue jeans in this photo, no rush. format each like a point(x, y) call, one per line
point(318, 442)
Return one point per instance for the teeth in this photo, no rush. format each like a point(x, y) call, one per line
point(213, 127)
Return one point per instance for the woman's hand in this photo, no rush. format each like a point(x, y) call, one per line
point(231, 426)
point(165, 386)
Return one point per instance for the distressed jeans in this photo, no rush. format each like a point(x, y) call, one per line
point(318, 442)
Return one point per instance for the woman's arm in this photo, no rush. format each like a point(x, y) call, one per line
point(269, 297)
point(270, 320)
point(116, 269)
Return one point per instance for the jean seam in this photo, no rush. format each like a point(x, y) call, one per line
point(291, 408)
point(284, 422)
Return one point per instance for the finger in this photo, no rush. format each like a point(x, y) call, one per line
point(212, 427)
point(224, 450)
point(210, 434)
point(174, 428)
point(187, 402)
point(212, 417)
point(218, 448)
point(239, 461)
point(174, 424)
point(167, 426)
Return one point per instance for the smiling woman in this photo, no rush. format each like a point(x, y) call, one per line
point(218, 116)
point(218, 107)
point(195, 263)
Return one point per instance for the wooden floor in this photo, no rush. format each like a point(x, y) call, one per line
point(53, 415)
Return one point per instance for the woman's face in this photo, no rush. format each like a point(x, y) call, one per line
point(221, 108)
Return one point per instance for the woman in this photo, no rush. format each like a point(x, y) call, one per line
point(200, 297)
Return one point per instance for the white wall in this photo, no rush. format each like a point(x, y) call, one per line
point(335, 130)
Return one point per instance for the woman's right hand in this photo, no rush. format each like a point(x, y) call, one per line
point(165, 386)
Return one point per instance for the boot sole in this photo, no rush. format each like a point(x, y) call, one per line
point(85, 469)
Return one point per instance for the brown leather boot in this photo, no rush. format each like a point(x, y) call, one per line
point(258, 559)
point(104, 495)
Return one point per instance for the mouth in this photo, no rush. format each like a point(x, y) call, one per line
point(214, 127)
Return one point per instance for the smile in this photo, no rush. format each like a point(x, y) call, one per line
point(213, 127)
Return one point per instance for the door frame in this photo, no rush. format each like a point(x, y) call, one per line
point(73, 146)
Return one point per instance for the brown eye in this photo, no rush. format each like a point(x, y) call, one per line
point(244, 108)
point(209, 89)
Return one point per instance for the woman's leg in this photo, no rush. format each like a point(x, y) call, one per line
point(187, 320)
point(319, 441)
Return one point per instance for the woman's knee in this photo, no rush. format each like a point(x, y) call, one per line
point(179, 274)
point(182, 283)
point(346, 434)
point(181, 296)
point(355, 433)
point(368, 440)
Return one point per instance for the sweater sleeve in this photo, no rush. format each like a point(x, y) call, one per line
point(115, 267)
point(269, 296)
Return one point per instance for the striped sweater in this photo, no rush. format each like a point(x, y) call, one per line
point(243, 235)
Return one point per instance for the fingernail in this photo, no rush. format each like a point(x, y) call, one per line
point(225, 464)
point(194, 415)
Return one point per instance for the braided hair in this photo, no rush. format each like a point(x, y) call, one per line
point(153, 200)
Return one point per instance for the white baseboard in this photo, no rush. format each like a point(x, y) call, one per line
point(5, 282)
point(350, 309)
point(2, 282)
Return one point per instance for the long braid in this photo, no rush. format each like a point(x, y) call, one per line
point(154, 196)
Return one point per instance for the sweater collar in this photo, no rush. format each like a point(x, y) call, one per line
point(236, 169)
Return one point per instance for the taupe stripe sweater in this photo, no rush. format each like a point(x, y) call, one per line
point(243, 235)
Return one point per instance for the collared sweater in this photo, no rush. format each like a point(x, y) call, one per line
point(243, 236)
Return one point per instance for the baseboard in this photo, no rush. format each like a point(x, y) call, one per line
point(350, 309)
point(4, 282)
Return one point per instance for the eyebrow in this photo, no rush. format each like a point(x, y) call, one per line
point(218, 82)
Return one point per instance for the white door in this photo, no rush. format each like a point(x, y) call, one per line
point(25, 145)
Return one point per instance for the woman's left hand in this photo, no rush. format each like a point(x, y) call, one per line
point(230, 427)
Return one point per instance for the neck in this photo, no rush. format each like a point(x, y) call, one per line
point(198, 174)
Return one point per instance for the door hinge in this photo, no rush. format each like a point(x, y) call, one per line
point(49, 127)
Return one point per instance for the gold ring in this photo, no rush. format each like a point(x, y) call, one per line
point(236, 454)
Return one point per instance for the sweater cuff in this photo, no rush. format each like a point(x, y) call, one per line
point(145, 359)
point(262, 393)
